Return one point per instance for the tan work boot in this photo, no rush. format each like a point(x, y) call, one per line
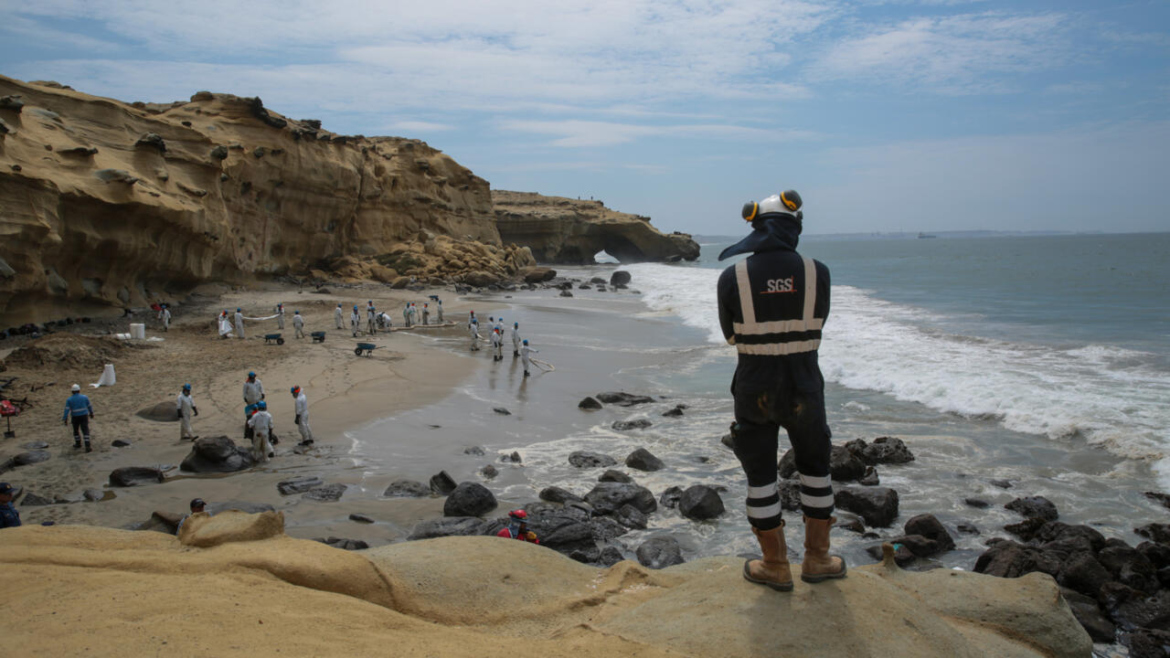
point(773, 569)
point(818, 565)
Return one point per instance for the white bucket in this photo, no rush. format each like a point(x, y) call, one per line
point(138, 331)
point(108, 378)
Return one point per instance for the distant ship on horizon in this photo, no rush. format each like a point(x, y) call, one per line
point(923, 236)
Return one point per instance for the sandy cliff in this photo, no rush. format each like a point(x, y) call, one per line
point(122, 203)
point(570, 231)
point(234, 584)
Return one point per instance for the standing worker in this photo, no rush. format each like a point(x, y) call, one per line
point(165, 316)
point(302, 420)
point(439, 311)
point(337, 313)
point(299, 324)
point(371, 319)
point(253, 389)
point(474, 335)
point(355, 321)
point(470, 318)
point(524, 358)
point(184, 407)
point(239, 323)
point(261, 424)
point(500, 326)
point(80, 409)
point(406, 316)
point(515, 339)
point(413, 314)
point(497, 345)
point(426, 313)
point(280, 316)
point(772, 306)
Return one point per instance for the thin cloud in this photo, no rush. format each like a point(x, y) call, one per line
point(576, 134)
point(420, 126)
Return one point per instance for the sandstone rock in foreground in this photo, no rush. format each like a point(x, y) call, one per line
point(263, 592)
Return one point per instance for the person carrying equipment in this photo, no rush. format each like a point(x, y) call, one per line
point(515, 339)
point(280, 316)
point(261, 424)
point(426, 314)
point(524, 358)
point(239, 323)
point(355, 321)
point(80, 409)
point(184, 407)
point(474, 335)
point(772, 306)
point(302, 420)
point(337, 313)
point(497, 345)
point(165, 316)
point(518, 528)
point(299, 324)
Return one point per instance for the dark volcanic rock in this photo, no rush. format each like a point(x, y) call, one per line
point(1089, 614)
point(877, 505)
point(610, 556)
point(639, 424)
point(33, 500)
point(619, 277)
point(1008, 559)
point(883, 450)
point(344, 544)
point(930, 527)
point(217, 454)
point(624, 399)
point(967, 528)
point(844, 465)
point(514, 458)
point(660, 552)
point(675, 412)
point(329, 493)
point(120, 443)
point(589, 404)
point(582, 459)
point(1159, 497)
point(609, 497)
point(1147, 643)
point(502, 411)
point(443, 484)
point(447, 527)
point(1002, 484)
point(670, 497)
point(790, 495)
point(642, 460)
point(1027, 529)
point(475, 451)
point(631, 518)
point(299, 485)
point(469, 499)
point(700, 503)
point(1132, 609)
point(31, 457)
point(1159, 532)
point(1034, 507)
point(1157, 554)
point(559, 495)
point(976, 503)
point(870, 479)
point(152, 140)
point(1084, 574)
point(615, 476)
point(407, 489)
point(489, 471)
point(130, 476)
point(360, 518)
point(1129, 567)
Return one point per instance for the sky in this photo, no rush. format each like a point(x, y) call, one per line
point(886, 115)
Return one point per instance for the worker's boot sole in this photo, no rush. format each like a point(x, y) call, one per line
point(779, 587)
point(822, 577)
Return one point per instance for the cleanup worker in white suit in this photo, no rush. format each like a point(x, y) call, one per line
point(165, 316)
point(527, 360)
point(253, 389)
point(355, 321)
point(184, 407)
point(280, 316)
point(337, 313)
point(497, 345)
point(474, 328)
point(302, 419)
point(371, 318)
point(299, 324)
point(515, 339)
point(239, 323)
point(261, 424)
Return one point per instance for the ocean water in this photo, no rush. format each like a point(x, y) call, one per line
point(1043, 361)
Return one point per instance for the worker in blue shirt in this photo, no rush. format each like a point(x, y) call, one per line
point(9, 517)
point(79, 407)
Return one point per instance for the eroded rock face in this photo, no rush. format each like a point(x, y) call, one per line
point(562, 230)
point(314, 198)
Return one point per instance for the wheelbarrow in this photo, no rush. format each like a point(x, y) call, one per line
point(364, 348)
point(318, 336)
point(273, 338)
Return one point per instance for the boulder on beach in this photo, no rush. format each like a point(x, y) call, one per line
point(583, 459)
point(163, 412)
point(132, 476)
point(883, 450)
point(469, 499)
point(623, 399)
point(700, 503)
point(329, 493)
point(619, 278)
point(298, 484)
point(589, 404)
point(217, 454)
point(612, 475)
point(878, 506)
point(660, 552)
point(407, 489)
point(1034, 507)
point(559, 495)
point(609, 497)
point(442, 483)
point(696, 609)
point(643, 460)
point(639, 424)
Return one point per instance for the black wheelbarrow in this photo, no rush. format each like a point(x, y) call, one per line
point(273, 338)
point(318, 336)
point(364, 348)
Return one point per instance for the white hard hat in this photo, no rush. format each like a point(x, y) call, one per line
point(76, 388)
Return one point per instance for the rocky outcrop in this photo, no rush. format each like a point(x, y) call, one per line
point(562, 230)
point(219, 188)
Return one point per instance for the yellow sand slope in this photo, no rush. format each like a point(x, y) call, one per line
point(234, 584)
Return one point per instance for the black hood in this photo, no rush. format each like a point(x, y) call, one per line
point(771, 232)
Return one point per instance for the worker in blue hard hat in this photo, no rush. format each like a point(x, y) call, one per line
point(262, 425)
point(184, 408)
